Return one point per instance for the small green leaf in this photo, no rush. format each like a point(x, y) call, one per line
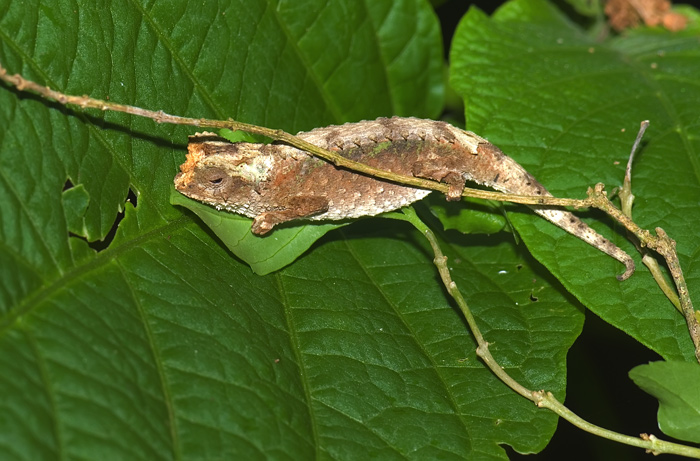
point(469, 215)
point(242, 136)
point(264, 254)
point(675, 384)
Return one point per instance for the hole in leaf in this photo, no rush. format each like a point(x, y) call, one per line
point(100, 245)
point(131, 198)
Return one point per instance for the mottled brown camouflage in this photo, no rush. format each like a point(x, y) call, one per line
point(275, 183)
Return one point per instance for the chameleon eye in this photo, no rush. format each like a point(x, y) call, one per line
point(213, 177)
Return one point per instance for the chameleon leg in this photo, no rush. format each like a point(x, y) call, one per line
point(298, 207)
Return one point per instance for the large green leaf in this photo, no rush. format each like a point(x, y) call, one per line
point(568, 107)
point(162, 344)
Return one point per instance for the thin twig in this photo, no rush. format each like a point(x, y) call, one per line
point(626, 197)
point(655, 270)
point(86, 102)
point(664, 246)
point(626, 202)
point(542, 399)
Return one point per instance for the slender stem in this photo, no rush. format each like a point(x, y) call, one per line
point(662, 245)
point(626, 202)
point(649, 442)
point(541, 398)
point(661, 281)
point(85, 102)
point(626, 197)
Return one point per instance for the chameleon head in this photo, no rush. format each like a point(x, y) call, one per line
point(222, 173)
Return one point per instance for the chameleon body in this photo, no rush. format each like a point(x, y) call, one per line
point(276, 183)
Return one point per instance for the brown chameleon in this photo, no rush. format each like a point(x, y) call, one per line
point(276, 183)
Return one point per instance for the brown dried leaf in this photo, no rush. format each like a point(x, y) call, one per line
point(625, 14)
point(675, 21)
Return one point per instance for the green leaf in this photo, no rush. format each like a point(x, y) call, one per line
point(162, 344)
point(242, 136)
point(468, 216)
point(567, 107)
point(264, 254)
point(675, 384)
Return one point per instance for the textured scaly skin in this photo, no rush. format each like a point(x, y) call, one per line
point(275, 183)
